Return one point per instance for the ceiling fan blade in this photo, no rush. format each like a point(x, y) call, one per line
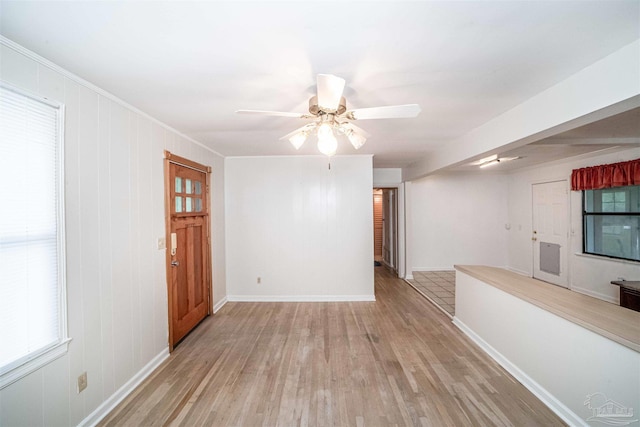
point(390, 112)
point(272, 113)
point(308, 127)
point(330, 90)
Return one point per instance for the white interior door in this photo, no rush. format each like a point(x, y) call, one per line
point(550, 232)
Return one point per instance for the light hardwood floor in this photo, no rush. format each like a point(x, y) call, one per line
point(398, 361)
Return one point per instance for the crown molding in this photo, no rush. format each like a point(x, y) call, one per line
point(68, 74)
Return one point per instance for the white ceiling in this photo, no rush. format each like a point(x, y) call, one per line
point(192, 64)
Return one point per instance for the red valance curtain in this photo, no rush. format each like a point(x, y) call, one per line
point(606, 176)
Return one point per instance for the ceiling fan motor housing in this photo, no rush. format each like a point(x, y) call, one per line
point(316, 110)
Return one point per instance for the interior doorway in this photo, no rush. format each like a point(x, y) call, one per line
point(385, 226)
point(377, 225)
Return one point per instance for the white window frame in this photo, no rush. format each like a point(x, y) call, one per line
point(33, 361)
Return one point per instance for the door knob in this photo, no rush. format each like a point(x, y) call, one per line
point(174, 263)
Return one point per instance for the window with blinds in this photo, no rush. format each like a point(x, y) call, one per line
point(32, 286)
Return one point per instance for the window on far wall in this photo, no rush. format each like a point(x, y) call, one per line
point(33, 327)
point(611, 218)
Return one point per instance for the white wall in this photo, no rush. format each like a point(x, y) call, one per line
point(117, 298)
point(590, 275)
point(387, 177)
point(458, 219)
point(305, 230)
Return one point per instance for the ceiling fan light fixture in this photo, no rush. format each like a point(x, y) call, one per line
point(327, 142)
point(298, 139)
point(324, 130)
point(356, 139)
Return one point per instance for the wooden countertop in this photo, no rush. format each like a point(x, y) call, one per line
point(609, 320)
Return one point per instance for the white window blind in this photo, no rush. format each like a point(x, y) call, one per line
point(32, 315)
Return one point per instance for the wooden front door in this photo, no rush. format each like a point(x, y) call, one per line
point(188, 254)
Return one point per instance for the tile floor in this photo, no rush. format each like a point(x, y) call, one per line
point(438, 286)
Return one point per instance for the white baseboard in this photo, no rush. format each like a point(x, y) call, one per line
point(299, 298)
point(108, 405)
point(594, 294)
point(540, 392)
point(408, 276)
point(217, 306)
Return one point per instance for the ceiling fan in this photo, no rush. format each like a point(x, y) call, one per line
point(328, 109)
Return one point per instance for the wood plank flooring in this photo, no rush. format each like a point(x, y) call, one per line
point(398, 361)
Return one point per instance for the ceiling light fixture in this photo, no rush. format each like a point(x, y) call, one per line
point(298, 139)
point(326, 127)
point(356, 139)
point(492, 161)
point(327, 142)
point(484, 160)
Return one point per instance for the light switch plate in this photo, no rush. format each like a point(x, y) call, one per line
point(162, 243)
point(82, 382)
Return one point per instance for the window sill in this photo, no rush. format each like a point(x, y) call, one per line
point(606, 258)
point(12, 375)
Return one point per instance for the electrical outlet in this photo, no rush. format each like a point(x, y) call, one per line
point(82, 382)
point(259, 280)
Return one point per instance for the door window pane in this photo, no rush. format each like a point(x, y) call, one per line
point(178, 204)
point(188, 207)
point(178, 184)
point(198, 186)
point(187, 186)
point(198, 205)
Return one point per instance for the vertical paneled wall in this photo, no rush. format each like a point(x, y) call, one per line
point(116, 289)
point(304, 230)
